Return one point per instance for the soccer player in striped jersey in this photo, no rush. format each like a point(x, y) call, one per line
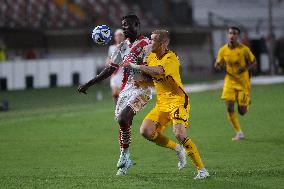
point(172, 104)
point(131, 98)
point(238, 60)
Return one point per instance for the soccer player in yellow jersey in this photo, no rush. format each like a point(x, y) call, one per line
point(237, 60)
point(172, 104)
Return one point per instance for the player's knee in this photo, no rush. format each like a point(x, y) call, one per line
point(242, 110)
point(230, 109)
point(145, 132)
point(179, 134)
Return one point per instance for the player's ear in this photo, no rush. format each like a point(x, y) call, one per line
point(136, 24)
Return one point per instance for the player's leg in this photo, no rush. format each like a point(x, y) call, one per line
point(125, 121)
point(153, 132)
point(191, 150)
point(180, 117)
point(153, 126)
point(129, 103)
point(243, 101)
point(233, 118)
point(230, 96)
point(242, 110)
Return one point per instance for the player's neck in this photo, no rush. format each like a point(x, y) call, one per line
point(132, 39)
point(232, 45)
point(161, 54)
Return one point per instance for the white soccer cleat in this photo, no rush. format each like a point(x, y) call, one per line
point(202, 174)
point(122, 171)
point(182, 158)
point(239, 136)
point(123, 158)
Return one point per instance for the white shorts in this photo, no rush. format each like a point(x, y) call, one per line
point(134, 97)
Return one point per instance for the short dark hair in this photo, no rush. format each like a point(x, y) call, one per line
point(132, 17)
point(235, 28)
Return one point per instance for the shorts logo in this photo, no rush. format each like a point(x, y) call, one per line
point(177, 116)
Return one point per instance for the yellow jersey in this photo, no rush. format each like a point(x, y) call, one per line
point(234, 58)
point(169, 88)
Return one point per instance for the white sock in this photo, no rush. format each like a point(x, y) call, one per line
point(178, 148)
point(124, 150)
point(203, 169)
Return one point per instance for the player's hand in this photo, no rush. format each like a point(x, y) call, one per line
point(242, 69)
point(108, 61)
point(219, 66)
point(83, 89)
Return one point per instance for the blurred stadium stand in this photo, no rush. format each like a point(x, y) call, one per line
point(54, 14)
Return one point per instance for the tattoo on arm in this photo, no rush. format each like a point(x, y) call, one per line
point(152, 70)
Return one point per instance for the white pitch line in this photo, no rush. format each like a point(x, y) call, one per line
point(259, 80)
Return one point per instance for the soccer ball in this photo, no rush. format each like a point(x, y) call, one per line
point(102, 34)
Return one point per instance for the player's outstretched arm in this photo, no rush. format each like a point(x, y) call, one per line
point(115, 61)
point(102, 76)
point(151, 70)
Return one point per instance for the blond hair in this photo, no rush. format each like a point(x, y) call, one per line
point(163, 36)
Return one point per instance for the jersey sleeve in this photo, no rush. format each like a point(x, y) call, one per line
point(219, 56)
point(249, 56)
point(110, 50)
point(117, 55)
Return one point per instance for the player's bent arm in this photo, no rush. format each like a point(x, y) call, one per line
point(251, 65)
point(248, 67)
point(107, 72)
point(151, 70)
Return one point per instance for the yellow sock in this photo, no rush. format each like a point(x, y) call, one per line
point(233, 118)
point(163, 141)
point(193, 153)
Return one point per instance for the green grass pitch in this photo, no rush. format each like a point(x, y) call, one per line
point(56, 138)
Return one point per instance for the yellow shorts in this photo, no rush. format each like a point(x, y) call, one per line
point(178, 115)
point(241, 96)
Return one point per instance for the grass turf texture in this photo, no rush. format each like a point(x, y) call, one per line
point(56, 138)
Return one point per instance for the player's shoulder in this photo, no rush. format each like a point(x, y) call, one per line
point(243, 46)
point(171, 55)
point(224, 48)
point(151, 56)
